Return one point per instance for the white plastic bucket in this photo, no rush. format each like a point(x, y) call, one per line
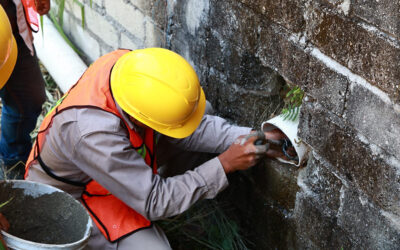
point(289, 128)
point(72, 215)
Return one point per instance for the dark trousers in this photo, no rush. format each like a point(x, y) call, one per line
point(22, 98)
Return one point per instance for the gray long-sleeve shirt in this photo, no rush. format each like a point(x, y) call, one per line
point(85, 143)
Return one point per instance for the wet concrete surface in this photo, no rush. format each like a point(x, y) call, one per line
point(51, 218)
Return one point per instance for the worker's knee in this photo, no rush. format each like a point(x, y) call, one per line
point(152, 238)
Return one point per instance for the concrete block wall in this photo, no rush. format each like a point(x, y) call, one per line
point(345, 55)
point(113, 24)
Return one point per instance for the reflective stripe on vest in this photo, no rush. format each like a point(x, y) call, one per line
point(113, 217)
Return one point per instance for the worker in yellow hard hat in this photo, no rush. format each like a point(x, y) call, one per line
point(22, 90)
point(8, 57)
point(8, 48)
point(111, 140)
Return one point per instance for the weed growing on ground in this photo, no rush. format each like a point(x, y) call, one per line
point(53, 94)
point(204, 226)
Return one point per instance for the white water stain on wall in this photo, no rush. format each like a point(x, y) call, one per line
point(196, 13)
point(345, 6)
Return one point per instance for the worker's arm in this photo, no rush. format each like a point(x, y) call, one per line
point(110, 159)
point(216, 135)
point(96, 143)
point(213, 135)
point(90, 143)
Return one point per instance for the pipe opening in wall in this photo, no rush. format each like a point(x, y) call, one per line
point(287, 121)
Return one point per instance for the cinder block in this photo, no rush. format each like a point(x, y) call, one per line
point(239, 24)
point(217, 52)
point(211, 85)
point(340, 7)
point(196, 13)
point(128, 43)
point(375, 118)
point(285, 56)
point(98, 2)
point(384, 14)
point(353, 156)
point(282, 52)
point(154, 36)
point(82, 38)
point(86, 43)
point(154, 9)
point(276, 181)
point(100, 26)
point(244, 69)
point(243, 102)
point(318, 180)
point(362, 51)
point(367, 225)
point(75, 10)
point(289, 14)
point(269, 225)
point(321, 229)
point(246, 107)
point(105, 49)
point(130, 17)
point(357, 223)
point(326, 85)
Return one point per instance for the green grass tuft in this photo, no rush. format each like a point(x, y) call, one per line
point(204, 226)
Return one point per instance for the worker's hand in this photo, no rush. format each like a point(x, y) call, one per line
point(275, 151)
point(242, 154)
point(4, 225)
point(42, 6)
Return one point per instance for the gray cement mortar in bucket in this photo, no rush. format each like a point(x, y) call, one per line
point(43, 217)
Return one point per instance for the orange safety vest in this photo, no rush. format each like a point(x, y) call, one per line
point(113, 217)
point(31, 14)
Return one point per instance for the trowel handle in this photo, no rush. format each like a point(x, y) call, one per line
point(276, 142)
point(258, 134)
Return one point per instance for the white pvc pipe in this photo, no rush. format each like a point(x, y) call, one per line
point(60, 60)
point(289, 128)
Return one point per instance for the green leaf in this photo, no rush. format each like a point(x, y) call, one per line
point(82, 11)
point(293, 101)
point(60, 14)
point(297, 113)
point(41, 24)
point(2, 247)
point(290, 92)
point(6, 202)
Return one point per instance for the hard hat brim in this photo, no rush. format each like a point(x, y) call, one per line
point(8, 67)
point(189, 126)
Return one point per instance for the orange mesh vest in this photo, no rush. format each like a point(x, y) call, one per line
point(114, 219)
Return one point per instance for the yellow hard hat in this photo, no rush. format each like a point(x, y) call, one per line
point(8, 48)
point(160, 89)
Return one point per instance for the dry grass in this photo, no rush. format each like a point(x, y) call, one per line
point(53, 94)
